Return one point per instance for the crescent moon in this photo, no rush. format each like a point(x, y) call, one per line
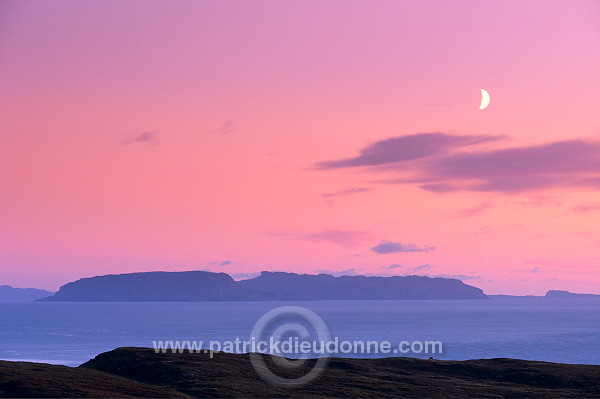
point(485, 99)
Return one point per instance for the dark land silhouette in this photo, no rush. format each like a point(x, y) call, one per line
point(140, 372)
point(325, 286)
point(207, 286)
point(567, 294)
point(190, 286)
point(8, 293)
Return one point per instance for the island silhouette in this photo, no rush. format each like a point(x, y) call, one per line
point(194, 286)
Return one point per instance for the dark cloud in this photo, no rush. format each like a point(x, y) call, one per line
point(343, 193)
point(390, 247)
point(406, 148)
point(439, 163)
point(145, 137)
point(565, 163)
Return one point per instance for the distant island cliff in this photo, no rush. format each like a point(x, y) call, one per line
point(196, 286)
point(192, 286)
point(325, 286)
point(567, 294)
point(8, 293)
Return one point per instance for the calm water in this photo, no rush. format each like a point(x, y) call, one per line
point(553, 330)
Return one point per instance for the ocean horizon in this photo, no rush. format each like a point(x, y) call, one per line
point(543, 329)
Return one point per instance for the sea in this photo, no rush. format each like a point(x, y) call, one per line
point(532, 328)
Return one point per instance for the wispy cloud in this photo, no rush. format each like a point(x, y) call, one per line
point(227, 127)
point(421, 268)
point(586, 208)
point(390, 247)
point(346, 272)
point(392, 267)
point(145, 137)
point(244, 276)
point(406, 148)
point(461, 277)
point(475, 211)
point(564, 267)
point(221, 263)
point(355, 272)
point(344, 193)
point(345, 238)
point(441, 163)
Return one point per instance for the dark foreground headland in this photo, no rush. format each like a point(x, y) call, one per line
point(138, 372)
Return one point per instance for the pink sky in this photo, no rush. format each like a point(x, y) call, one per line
point(301, 136)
